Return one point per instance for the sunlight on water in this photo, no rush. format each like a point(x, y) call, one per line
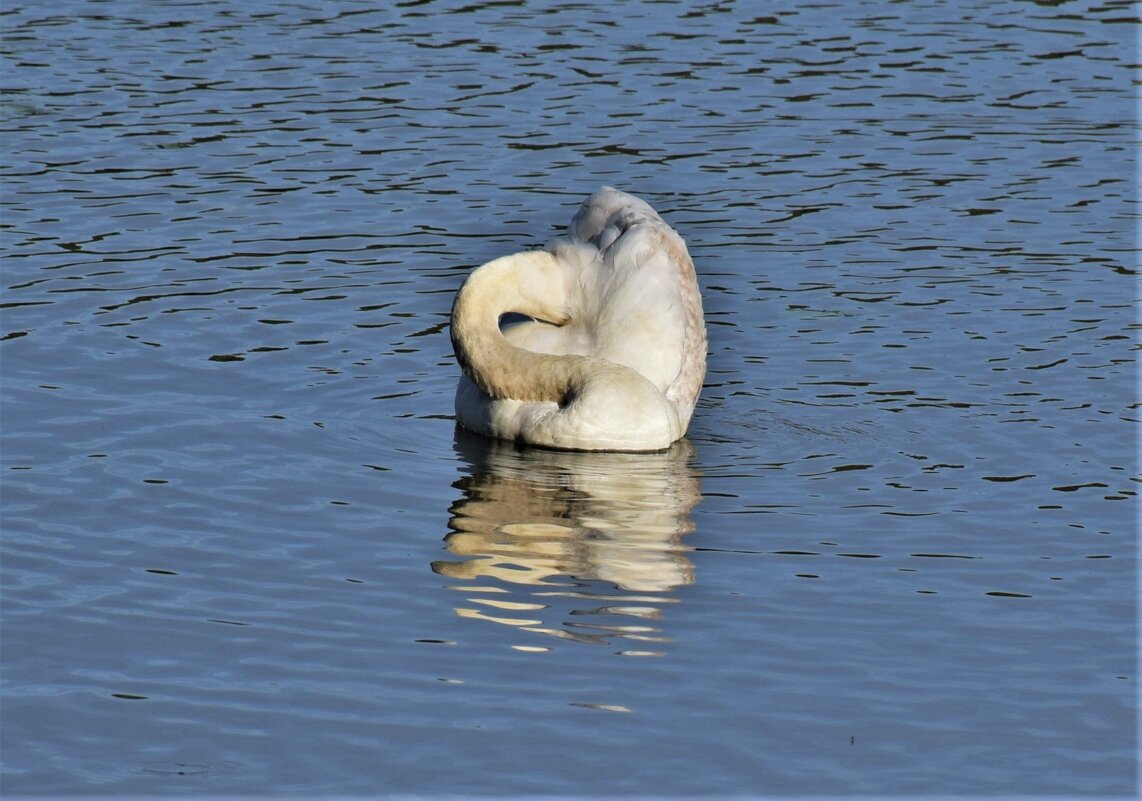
point(570, 529)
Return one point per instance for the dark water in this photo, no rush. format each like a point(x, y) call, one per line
point(246, 553)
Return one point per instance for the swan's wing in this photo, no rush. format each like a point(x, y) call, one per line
point(642, 296)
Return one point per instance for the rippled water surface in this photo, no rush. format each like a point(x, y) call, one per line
point(245, 550)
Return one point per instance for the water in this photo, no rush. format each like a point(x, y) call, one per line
point(245, 551)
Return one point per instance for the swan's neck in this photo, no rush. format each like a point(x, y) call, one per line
point(529, 283)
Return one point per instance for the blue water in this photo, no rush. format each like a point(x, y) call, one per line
point(245, 550)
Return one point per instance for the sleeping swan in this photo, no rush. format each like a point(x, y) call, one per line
point(596, 343)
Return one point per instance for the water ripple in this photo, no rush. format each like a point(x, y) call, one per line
point(902, 535)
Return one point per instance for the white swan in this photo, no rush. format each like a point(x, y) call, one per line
point(607, 350)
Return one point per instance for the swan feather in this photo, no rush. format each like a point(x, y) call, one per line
point(608, 348)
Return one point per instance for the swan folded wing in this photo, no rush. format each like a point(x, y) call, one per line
point(642, 328)
point(652, 321)
point(667, 272)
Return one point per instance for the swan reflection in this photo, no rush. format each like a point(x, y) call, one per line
point(581, 546)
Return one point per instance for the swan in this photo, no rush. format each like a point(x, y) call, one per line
point(596, 343)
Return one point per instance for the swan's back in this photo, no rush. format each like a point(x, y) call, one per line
point(637, 293)
point(627, 296)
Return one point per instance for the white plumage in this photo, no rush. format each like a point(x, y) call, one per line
point(607, 348)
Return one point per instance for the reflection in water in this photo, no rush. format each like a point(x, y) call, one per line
point(593, 536)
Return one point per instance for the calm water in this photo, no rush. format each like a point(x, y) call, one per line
point(245, 550)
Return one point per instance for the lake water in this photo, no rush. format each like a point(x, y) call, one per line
point(246, 551)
